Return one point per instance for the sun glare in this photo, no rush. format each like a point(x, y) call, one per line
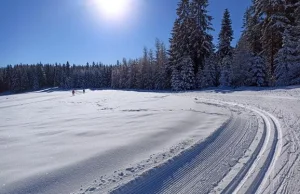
point(112, 9)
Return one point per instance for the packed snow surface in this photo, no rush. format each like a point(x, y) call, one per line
point(213, 141)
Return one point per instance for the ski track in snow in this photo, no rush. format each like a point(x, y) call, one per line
point(198, 170)
point(281, 106)
point(269, 150)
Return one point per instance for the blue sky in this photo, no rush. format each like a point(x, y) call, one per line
point(73, 30)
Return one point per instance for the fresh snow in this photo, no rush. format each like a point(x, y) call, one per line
point(52, 142)
point(213, 141)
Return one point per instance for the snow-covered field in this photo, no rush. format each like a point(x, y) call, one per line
point(212, 141)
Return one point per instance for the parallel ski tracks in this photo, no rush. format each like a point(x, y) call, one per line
point(200, 168)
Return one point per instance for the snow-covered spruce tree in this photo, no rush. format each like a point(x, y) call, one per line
point(282, 67)
point(2, 82)
point(288, 58)
point(179, 42)
point(36, 84)
point(152, 70)
point(115, 76)
point(161, 75)
point(183, 77)
point(133, 73)
point(252, 31)
point(26, 79)
point(225, 36)
point(295, 44)
point(225, 79)
point(16, 79)
point(66, 82)
point(139, 74)
point(258, 71)
point(145, 71)
point(211, 72)
point(241, 66)
point(241, 62)
point(165, 69)
point(248, 67)
point(7, 77)
point(295, 31)
point(174, 54)
point(200, 79)
point(57, 75)
point(180, 38)
point(40, 73)
point(187, 74)
point(190, 36)
point(292, 11)
point(224, 52)
point(200, 41)
point(174, 44)
point(176, 79)
point(273, 21)
point(123, 77)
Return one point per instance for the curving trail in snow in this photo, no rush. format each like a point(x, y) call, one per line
point(281, 108)
point(216, 161)
point(191, 172)
point(255, 173)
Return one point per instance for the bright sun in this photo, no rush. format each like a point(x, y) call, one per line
point(112, 9)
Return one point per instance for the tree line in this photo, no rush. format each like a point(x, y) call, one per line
point(267, 54)
point(148, 72)
point(22, 77)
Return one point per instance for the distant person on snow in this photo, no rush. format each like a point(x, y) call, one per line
point(73, 92)
point(84, 91)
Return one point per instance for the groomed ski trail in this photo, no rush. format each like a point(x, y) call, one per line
point(201, 168)
point(256, 172)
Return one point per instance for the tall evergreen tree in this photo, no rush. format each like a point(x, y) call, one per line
point(241, 63)
point(225, 49)
point(273, 21)
point(225, 36)
point(201, 46)
point(288, 58)
point(161, 70)
point(190, 37)
point(283, 64)
point(174, 51)
point(179, 43)
point(249, 67)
